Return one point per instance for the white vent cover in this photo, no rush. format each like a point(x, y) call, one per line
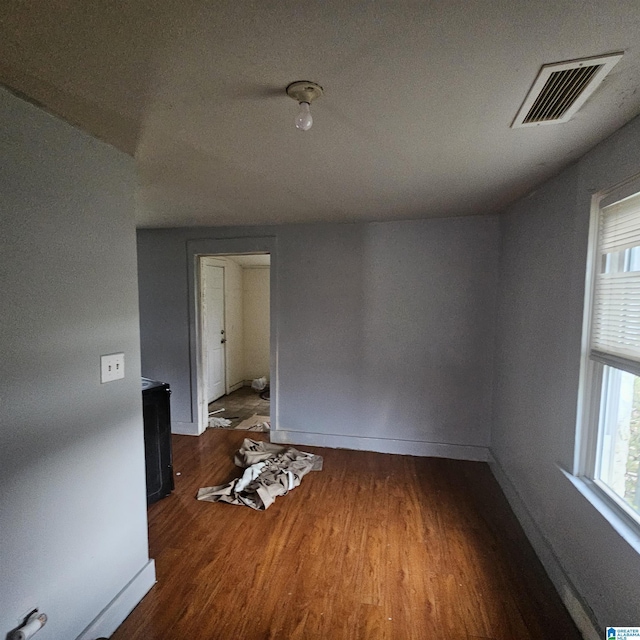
point(562, 88)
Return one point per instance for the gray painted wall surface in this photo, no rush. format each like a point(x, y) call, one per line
point(385, 330)
point(544, 248)
point(72, 499)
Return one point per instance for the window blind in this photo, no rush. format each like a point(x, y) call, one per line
point(615, 327)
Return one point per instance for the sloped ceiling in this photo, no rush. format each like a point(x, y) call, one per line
point(415, 120)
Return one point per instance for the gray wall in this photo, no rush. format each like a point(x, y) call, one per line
point(72, 498)
point(544, 248)
point(385, 330)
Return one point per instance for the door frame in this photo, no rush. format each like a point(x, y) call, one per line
point(217, 261)
point(220, 247)
point(202, 323)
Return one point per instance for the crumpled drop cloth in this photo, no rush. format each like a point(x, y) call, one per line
point(270, 471)
point(218, 423)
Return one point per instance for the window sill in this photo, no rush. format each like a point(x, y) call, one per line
point(620, 522)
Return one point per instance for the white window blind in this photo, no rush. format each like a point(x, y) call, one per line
point(616, 309)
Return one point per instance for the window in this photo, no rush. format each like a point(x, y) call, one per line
point(609, 423)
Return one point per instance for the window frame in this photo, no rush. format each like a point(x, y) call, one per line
point(592, 369)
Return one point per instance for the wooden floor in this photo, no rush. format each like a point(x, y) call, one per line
point(374, 546)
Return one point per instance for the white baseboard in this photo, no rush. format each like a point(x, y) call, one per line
point(572, 600)
point(185, 428)
point(236, 386)
point(382, 445)
point(113, 615)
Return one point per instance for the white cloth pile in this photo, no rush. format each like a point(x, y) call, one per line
point(218, 423)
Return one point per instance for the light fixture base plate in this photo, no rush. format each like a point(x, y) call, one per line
point(304, 91)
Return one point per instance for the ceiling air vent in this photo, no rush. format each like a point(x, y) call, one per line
point(562, 88)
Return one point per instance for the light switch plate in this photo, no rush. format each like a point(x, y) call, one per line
point(111, 367)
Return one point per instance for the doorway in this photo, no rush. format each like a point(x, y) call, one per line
point(235, 328)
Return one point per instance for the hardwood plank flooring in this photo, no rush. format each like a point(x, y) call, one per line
point(373, 547)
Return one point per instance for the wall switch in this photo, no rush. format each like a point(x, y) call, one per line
point(111, 367)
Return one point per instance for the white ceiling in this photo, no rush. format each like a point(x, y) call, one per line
point(251, 260)
point(415, 120)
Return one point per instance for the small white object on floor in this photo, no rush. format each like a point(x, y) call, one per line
point(259, 384)
point(211, 413)
point(219, 422)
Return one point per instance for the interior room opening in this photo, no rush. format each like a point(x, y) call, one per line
point(234, 344)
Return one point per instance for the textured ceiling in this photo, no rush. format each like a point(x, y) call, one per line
point(415, 120)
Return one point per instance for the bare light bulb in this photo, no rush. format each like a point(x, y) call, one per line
point(304, 119)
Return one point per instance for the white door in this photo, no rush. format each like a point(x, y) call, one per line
point(213, 336)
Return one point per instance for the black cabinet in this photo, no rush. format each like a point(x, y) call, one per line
point(157, 439)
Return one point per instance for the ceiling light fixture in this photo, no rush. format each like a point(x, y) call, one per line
point(304, 92)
